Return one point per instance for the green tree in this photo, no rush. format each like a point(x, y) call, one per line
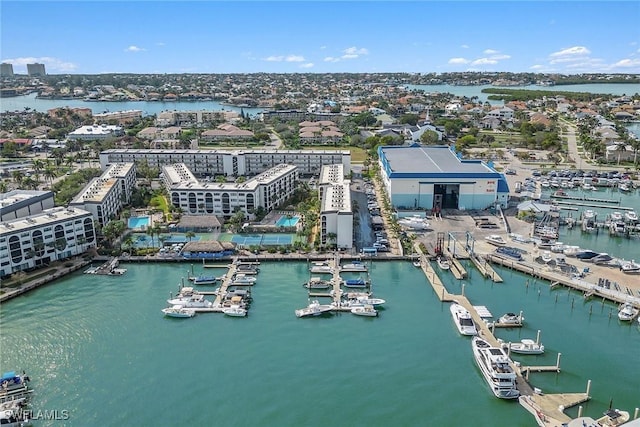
point(190, 235)
point(429, 137)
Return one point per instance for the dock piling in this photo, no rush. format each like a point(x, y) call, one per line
point(579, 411)
point(558, 365)
point(635, 413)
point(538, 337)
point(588, 385)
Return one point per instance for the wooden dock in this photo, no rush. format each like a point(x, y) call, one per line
point(486, 269)
point(457, 269)
point(546, 408)
point(228, 280)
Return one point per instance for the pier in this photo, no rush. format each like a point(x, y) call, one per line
point(546, 408)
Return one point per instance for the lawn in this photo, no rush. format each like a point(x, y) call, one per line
point(160, 202)
point(357, 154)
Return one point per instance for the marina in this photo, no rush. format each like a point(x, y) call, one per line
point(279, 294)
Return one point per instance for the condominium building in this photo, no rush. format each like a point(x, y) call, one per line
point(268, 190)
point(336, 216)
point(121, 117)
point(36, 70)
point(231, 163)
point(195, 118)
point(20, 203)
point(6, 70)
point(104, 196)
point(96, 132)
point(40, 239)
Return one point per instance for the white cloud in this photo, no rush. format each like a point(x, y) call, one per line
point(354, 52)
point(307, 65)
point(625, 63)
point(465, 46)
point(160, 44)
point(134, 48)
point(490, 51)
point(50, 63)
point(331, 59)
point(575, 53)
point(500, 57)
point(537, 67)
point(323, 47)
point(294, 58)
point(288, 58)
point(458, 61)
point(484, 61)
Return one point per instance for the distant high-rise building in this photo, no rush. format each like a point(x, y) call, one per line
point(6, 69)
point(36, 70)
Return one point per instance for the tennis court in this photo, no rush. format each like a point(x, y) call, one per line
point(262, 239)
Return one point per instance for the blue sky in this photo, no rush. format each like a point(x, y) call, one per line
point(89, 37)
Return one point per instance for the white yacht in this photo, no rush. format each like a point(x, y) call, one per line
point(317, 283)
point(616, 216)
point(510, 319)
point(243, 279)
point(496, 369)
point(179, 311)
point(321, 267)
point(630, 267)
point(627, 312)
point(313, 309)
point(631, 216)
point(14, 417)
point(354, 266)
point(525, 346)
point(443, 263)
point(462, 319)
point(496, 240)
point(364, 310)
point(235, 311)
point(588, 214)
point(193, 301)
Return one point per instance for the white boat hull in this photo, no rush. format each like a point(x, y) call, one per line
point(462, 319)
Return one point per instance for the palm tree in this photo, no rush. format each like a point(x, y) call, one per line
point(190, 235)
point(128, 243)
point(18, 177)
point(3, 186)
point(621, 148)
point(50, 173)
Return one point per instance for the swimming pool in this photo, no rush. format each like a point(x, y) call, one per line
point(139, 222)
point(285, 221)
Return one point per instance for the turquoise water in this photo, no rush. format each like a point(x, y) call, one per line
point(283, 221)
point(137, 222)
point(100, 348)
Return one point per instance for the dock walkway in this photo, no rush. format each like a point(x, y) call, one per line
point(546, 408)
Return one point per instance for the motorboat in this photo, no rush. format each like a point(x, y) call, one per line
point(496, 369)
point(313, 309)
point(417, 263)
point(613, 417)
point(630, 267)
point(586, 255)
point(546, 257)
point(616, 216)
point(588, 187)
point(243, 279)
point(205, 280)
point(588, 214)
point(317, 283)
point(354, 266)
point(321, 267)
point(627, 312)
point(496, 240)
point(247, 269)
point(624, 187)
point(414, 222)
point(601, 259)
point(355, 283)
point(443, 263)
point(14, 417)
point(178, 311)
point(510, 319)
point(525, 346)
point(631, 216)
point(368, 300)
point(235, 311)
point(509, 252)
point(462, 319)
point(12, 383)
point(365, 310)
point(572, 250)
point(193, 301)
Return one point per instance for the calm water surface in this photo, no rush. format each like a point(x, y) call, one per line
point(100, 348)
